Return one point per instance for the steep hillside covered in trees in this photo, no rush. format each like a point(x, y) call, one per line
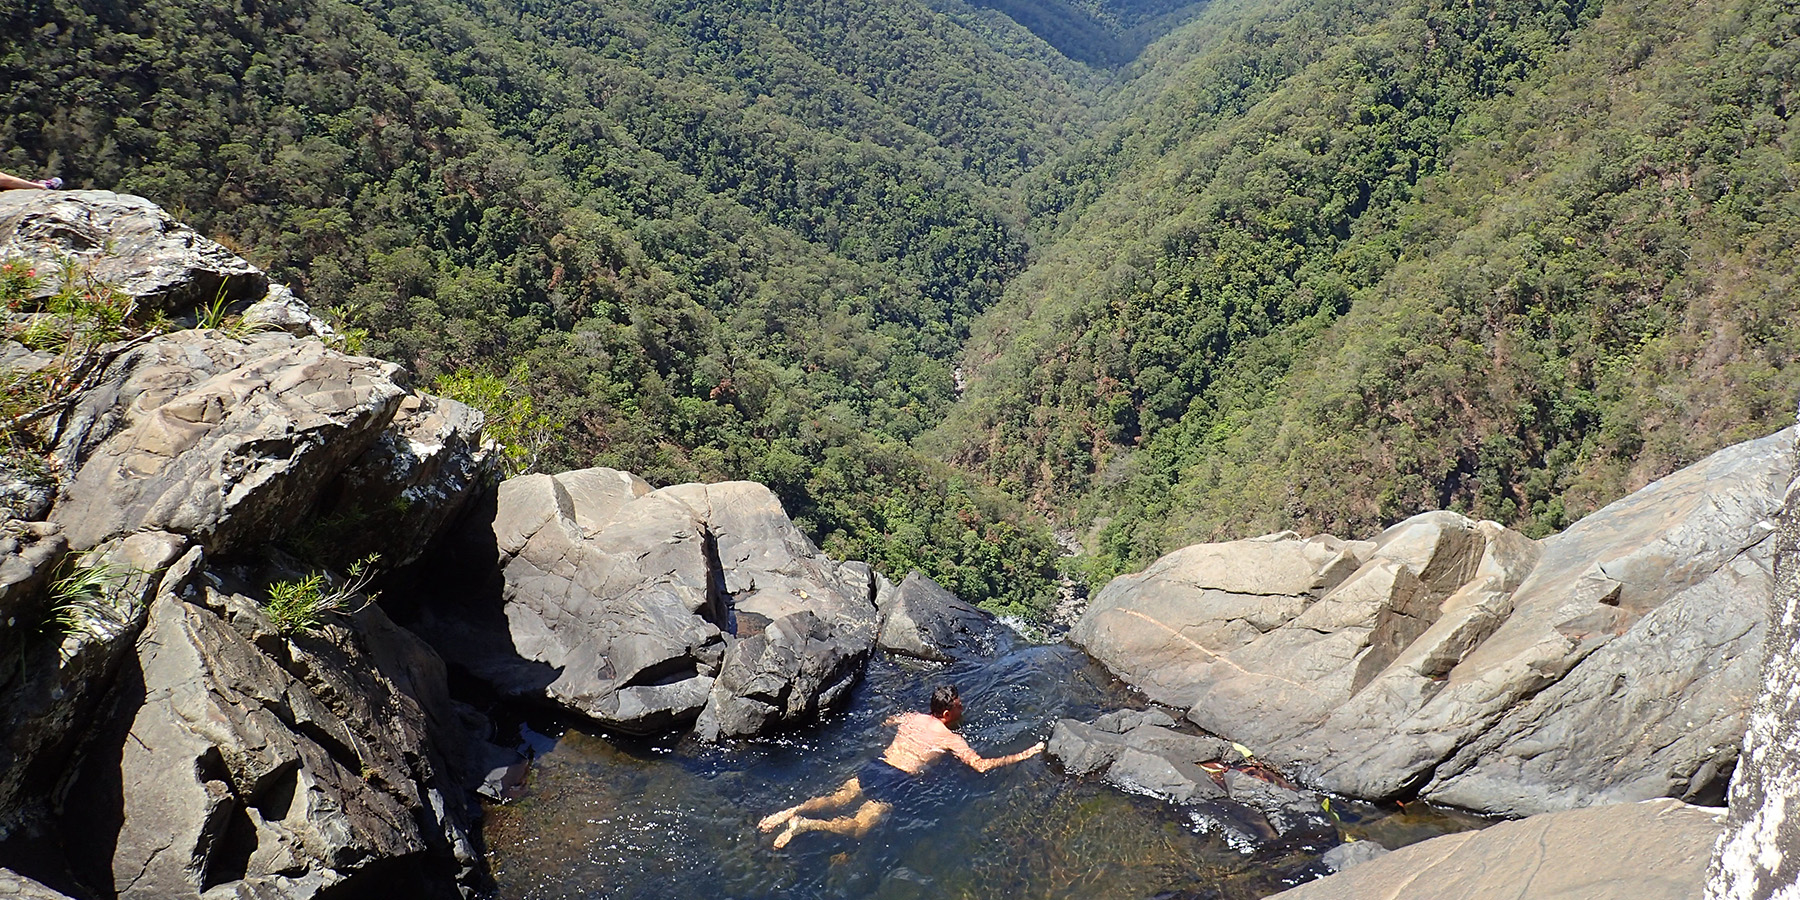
point(1349, 261)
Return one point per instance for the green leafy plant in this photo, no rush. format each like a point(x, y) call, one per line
point(350, 338)
point(299, 606)
point(513, 420)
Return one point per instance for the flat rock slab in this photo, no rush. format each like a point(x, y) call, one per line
point(1654, 850)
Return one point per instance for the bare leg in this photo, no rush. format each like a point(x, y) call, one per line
point(843, 796)
point(851, 826)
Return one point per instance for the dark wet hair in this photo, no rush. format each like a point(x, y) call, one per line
point(943, 698)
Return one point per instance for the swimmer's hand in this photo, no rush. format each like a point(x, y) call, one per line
point(1028, 752)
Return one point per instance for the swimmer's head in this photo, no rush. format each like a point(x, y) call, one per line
point(946, 705)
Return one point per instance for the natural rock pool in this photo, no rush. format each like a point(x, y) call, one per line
point(603, 817)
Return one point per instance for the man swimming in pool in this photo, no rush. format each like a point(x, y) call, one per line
point(882, 782)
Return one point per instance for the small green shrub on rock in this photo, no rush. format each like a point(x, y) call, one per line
point(300, 606)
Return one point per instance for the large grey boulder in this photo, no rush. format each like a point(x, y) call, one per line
point(239, 762)
point(1755, 857)
point(125, 241)
point(1162, 629)
point(1463, 662)
point(237, 442)
point(649, 610)
point(610, 606)
point(1653, 850)
point(920, 618)
point(226, 441)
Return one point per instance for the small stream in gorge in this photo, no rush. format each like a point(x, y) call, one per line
point(602, 817)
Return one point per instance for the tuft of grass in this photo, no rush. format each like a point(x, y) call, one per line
point(299, 606)
point(217, 316)
point(82, 325)
point(85, 601)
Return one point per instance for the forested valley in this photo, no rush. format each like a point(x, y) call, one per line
point(947, 276)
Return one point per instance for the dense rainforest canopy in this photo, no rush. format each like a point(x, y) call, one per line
point(944, 273)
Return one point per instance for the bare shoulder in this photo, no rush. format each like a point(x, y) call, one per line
point(916, 721)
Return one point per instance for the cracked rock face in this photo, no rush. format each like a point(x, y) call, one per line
point(225, 441)
point(1465, 663)
point(1755, 857)
point(240, 761)
point(235, 443)
point(51, 682)
point(649, 610)
point(160, 740)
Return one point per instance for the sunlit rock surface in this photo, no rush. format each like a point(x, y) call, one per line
point(1461, 662)
point(649, 610)
point(1651, 850)
point(1758, 855)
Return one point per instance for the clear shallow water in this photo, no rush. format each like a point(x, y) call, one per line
point(673, 819)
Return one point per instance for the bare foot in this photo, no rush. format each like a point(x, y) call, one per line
point(787, 834)
point(776, 820)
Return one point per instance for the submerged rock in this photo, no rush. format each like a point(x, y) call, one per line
point(1462, 662)
point(1222, 790)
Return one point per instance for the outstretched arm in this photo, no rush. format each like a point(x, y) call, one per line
point(961, 749)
